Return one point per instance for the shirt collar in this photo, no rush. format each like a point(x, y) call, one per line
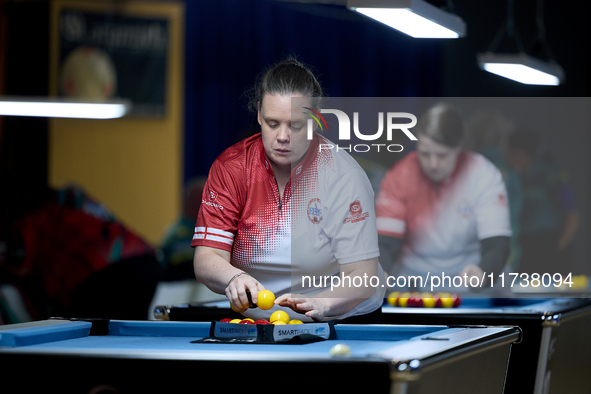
point(308, 159)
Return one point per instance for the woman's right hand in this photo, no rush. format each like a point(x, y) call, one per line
point(236, 291)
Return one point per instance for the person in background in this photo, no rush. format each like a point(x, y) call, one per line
point(72, 258)
point(441, 209)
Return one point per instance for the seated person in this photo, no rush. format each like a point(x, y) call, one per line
point(72, 258)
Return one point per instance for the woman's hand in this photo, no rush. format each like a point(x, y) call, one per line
point(213, 269)
point(338, 300)
point(314, 308)
point(236, 291)
point(469, 271)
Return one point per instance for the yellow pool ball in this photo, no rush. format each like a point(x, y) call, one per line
point(428, 300)
point(393, 298)
point(403, 299)
point(278, 322)
point(235, 321)
point(295, 321)
point(279, 315)
point(265, 299)
point(446, 300)
point(579, 282)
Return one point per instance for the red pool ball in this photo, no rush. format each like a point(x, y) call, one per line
point(262, 321)
point(415, 300)
point(226, 320)
point(247, 321)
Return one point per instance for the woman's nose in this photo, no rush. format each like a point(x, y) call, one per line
point(283, 134)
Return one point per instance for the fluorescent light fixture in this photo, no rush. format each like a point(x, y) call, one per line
point(522, 68)
point(417, 18)
point(63, 108)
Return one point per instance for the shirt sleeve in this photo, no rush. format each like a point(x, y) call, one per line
point(492, 205)
point(391, 206)
point(220, 209)
point(350, 221)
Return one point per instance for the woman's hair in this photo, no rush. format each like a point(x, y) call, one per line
point(287, 77)
point(443, 124)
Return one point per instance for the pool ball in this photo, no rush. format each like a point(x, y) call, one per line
point(579, 282)
point(266, 299)
point(393, 298)
point(403, 299)
point(295, 321)
point(428, 300)
point(235, 321)
point(340, 350)
point(226, 320)
point(246, 321)
point(262, 321)
point(279, 315)
point(415, 300)
point(278, 322)
point(446, 300)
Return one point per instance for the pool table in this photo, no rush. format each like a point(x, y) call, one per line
point(552, 359)
point(134, 356)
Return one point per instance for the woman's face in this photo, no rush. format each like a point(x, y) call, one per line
point(437, 161)
point(285, 139)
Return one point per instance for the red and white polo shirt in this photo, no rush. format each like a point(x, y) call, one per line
point(326, 218)
point(442, 223)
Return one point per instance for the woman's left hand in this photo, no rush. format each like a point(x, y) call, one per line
point(314, 308)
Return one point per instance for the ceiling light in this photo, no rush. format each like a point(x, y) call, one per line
point(63, 108)
point(522, 68)
point(417, 18)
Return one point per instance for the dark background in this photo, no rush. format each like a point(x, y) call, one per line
point(228, 42)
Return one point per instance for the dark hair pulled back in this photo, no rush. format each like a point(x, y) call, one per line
point(286, 78)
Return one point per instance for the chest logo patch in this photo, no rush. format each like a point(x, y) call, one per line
point(464, 209)
point(315, 211)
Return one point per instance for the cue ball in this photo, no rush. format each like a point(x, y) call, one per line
point(341, 350)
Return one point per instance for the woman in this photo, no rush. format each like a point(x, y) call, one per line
point(275, 210)
point(443, 211)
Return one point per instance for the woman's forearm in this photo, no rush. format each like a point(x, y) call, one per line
point(213, 269)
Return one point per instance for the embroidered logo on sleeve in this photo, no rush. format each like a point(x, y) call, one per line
point(356, 213)
point(315, 211)
point(502, 200)
point(212, 196)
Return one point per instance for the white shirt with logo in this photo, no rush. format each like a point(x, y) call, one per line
point(442, 223)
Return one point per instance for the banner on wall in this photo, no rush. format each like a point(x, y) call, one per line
point(105, 55)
